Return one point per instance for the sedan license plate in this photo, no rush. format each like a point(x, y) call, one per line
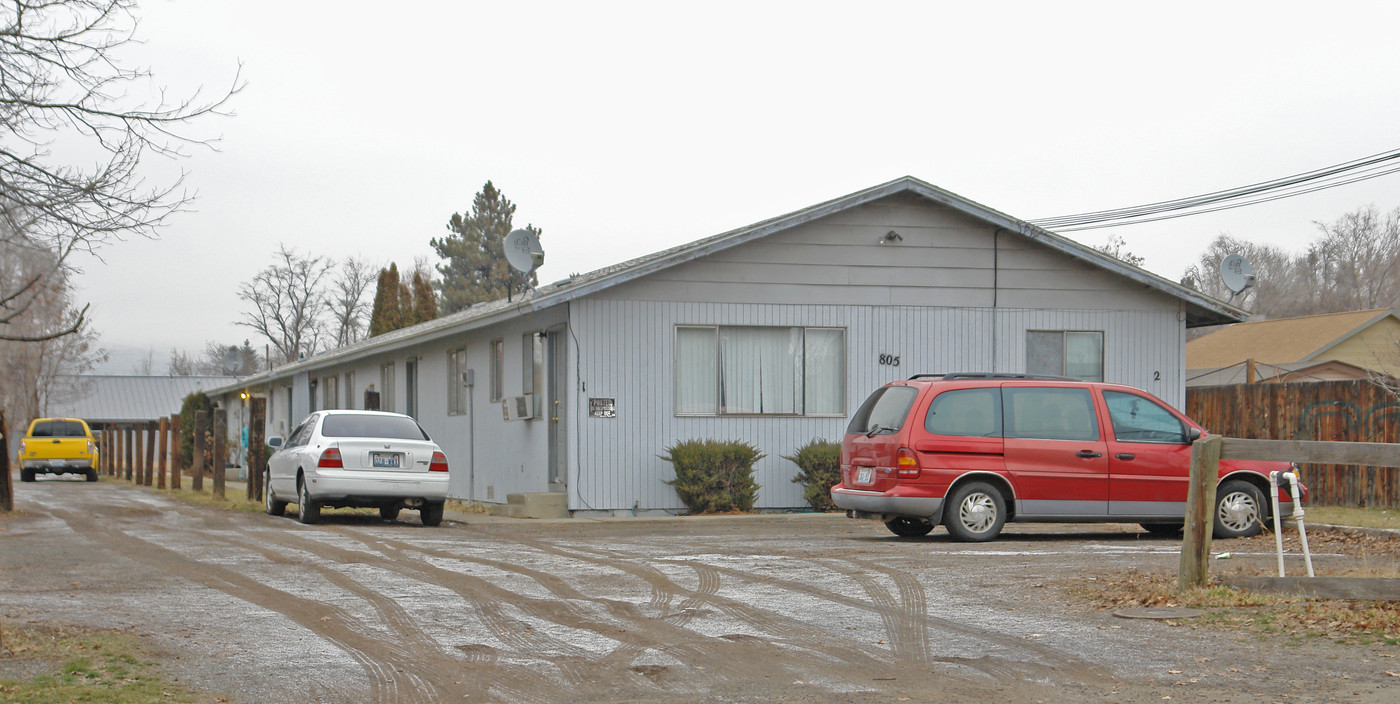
point(864, 474)
point(384, 459)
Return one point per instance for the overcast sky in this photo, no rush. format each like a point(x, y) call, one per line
point(625, 128)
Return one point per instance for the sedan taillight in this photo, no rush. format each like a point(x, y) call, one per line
point(906, 464)
point(330, 458)
point(439, 463)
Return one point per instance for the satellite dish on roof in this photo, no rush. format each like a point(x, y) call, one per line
point(1236, 274)
point(523, 251)
point(233, 361)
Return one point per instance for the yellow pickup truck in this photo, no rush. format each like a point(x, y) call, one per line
point(58, 446)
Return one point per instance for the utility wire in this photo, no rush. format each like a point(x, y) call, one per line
point(1365, 168)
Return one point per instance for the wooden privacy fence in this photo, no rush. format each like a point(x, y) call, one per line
point(1206, 454)
point(1325, 411)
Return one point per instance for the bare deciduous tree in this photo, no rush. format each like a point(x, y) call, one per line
point(39, 373)
point(349, 285)
point(288, 303)
point(61, 78)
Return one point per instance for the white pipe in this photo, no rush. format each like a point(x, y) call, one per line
point(1298, 514)
point(1278, 527)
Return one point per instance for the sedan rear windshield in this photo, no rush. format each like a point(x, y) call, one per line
point(58, 429)
point(358, 426)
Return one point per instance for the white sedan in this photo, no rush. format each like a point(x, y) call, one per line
point(357, 458)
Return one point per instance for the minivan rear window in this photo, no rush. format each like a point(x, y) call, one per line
point(58, 429)
point(369, 426)
point(966, 412)
point(884, 412)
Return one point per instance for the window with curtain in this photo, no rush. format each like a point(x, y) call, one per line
point(330, 392)
point(498, 363)
point(386, 387)
point(1075, 354)
point(760, 370)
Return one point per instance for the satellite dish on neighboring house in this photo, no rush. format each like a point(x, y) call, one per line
point(1236, 274)
point(233, 361)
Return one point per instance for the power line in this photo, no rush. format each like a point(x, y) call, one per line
point(1365, 168)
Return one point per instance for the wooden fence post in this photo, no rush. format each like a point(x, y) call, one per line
point(257, 448)
point(140, 464)
point(176, 443)
point(1200, 509)
point(220, 447)
point(201, 425)
point(150, 454)
point(7, 484)
point(126, 451)
point(164, 447)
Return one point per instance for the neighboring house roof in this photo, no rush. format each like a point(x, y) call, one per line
point(114, 399)
point(1331, 370)
point(1200, 309)
point(1310, 338)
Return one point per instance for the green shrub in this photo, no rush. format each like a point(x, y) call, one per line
point(714, 476)
point(819, 469)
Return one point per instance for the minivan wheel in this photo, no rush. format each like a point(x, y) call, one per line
point(975, 512)
point(906, 527)
point(1239, 510)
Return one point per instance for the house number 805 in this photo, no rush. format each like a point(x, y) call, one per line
point(889, 360)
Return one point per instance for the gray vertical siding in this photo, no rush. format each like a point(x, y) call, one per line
point(626, 350)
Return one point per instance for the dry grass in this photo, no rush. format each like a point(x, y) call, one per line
point(72, 665)
point(1227, 608)
point(1363, 517)
point(463, 506)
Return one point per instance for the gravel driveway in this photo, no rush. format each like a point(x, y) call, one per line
point(801, 607)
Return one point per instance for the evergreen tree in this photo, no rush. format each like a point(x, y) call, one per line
point(424, 301)
point(475, 269)
point(386, 315)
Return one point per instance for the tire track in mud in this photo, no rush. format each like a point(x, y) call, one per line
point(1051, 661)
point(804, 648)
point(327, 622)
point(511, 681)
point(905, 619)
point(580, 667)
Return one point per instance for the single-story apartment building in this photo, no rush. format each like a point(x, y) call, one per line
point(771, 334)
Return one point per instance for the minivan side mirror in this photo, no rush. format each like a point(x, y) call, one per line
point(274, 441)
point(1194, 434)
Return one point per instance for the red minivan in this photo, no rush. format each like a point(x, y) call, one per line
point(973, 451)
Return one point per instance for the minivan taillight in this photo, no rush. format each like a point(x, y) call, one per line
point(439, 463)
point(330, 458)
point(906, 464)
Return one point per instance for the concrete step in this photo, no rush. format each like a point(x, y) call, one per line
point(550, 504)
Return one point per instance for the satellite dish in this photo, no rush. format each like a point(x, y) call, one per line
point(233, 361)
point(1236, 274)
point(523, 251)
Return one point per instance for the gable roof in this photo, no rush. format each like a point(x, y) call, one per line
point(1281, 340)
point(1200, 309)
point(110, 399)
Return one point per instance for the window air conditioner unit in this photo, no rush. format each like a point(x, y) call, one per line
point(518, 407)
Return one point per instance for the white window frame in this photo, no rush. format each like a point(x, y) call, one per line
point(719, 410)
point(1064, 352)
point(456, 390)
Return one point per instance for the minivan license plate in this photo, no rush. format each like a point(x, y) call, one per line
point(864, 474)
point(384, 459)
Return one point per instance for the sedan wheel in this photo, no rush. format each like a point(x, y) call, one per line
point(430, 514)
point(1239, 510)
point(389, 513)
point(975, 512)
point(308, 509)
point(274, 507)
